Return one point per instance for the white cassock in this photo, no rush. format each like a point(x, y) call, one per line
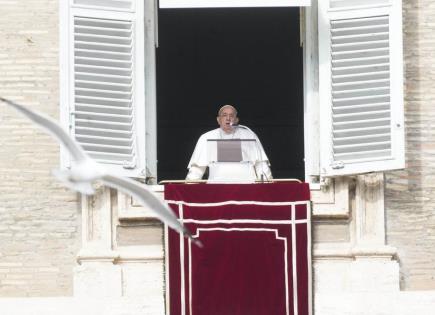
point(255, 154)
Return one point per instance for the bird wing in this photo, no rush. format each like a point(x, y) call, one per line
point(148, 199)
point(53, 128)
point(126, 185)
point(64, 176)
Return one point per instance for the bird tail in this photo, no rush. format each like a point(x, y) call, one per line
point(193, 239)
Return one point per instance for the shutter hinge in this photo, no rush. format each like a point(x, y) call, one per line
point(337, 165)
point(325, 182)
point(71, 119)
point(129, 165)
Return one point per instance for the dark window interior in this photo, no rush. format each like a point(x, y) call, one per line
point(248, 57)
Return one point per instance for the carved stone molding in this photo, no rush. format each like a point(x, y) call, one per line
point(332, 200)
point(97, 225)
point(129, 209)
point(369, 214)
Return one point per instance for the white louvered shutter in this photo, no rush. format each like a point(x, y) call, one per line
point(103, 78)
point(360, 86)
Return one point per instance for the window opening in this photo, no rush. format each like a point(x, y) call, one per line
point(248, 57)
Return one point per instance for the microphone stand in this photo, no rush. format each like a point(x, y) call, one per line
point(259, 151)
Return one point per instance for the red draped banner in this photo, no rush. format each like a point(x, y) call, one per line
point(256, 258)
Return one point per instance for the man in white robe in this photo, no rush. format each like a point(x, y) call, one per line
point(228, 129)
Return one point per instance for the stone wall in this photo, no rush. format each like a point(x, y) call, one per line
point(39, 220)
point(410, 194)
point(39, 236)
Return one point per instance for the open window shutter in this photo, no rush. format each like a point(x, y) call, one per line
point(360, 86)
point(102, 78)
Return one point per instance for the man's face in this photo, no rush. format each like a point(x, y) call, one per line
point(227, 118)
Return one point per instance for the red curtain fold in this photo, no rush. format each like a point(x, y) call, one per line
point(256, 254)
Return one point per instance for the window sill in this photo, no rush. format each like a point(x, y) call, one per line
point(330, 201)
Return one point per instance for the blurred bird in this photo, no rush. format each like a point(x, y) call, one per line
point(85, 170)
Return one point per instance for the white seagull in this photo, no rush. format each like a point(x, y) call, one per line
point(85, 170)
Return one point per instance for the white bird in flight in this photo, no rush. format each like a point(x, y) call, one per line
point(85, 170)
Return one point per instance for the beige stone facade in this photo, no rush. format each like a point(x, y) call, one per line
point(410, 203)
point(39, 219)
point(40, 222)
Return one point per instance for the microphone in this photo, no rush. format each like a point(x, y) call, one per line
point(258, 149)
point(239, 126)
